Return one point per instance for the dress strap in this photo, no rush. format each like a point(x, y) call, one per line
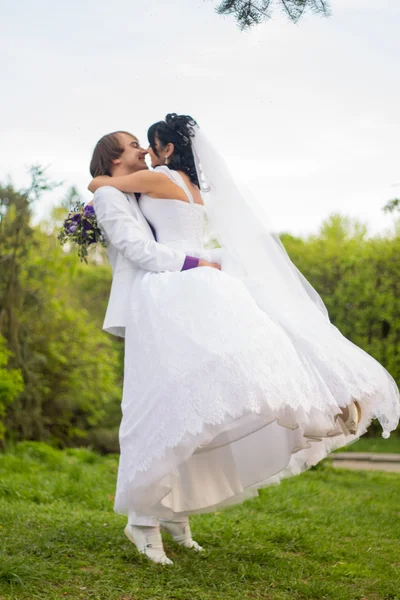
point(178, 180)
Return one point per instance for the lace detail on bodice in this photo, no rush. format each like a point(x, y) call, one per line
point(177, 224)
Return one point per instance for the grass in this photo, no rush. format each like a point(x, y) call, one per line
point(325, 535)
point(375, 444)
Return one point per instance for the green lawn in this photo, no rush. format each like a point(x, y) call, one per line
point(375, 444)
point(327, 534)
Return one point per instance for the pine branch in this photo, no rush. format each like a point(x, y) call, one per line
point(39, 183)
point(392, 206)
point(252, 12)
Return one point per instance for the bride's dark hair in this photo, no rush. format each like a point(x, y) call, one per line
point(176, 130)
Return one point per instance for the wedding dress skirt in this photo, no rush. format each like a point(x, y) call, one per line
point(219, 398)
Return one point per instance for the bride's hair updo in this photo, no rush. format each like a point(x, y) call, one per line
point(177, 130)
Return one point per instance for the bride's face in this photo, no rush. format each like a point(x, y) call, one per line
point(156, 161)
point(158, 155)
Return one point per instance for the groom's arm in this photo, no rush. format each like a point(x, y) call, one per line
point(124, 232)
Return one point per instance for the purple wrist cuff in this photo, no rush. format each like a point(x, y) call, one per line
point(190, 263)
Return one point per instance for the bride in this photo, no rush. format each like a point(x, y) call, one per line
point(234, 378)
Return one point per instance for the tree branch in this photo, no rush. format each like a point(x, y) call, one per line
point(252, 12)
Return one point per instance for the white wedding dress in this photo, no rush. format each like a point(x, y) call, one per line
point(219, 400)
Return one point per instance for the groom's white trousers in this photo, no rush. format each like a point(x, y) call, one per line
point(142, 520)
point(135, 519)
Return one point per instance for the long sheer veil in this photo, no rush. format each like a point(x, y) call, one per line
point(277, 286)
point(241, 227)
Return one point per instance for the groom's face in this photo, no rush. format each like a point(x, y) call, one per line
point(132, 157)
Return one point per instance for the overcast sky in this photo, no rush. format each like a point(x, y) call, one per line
point(307, 115)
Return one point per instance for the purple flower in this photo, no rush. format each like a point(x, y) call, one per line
point(87, 225)
point(89, 211)
point(81, 228)
point(87, 233)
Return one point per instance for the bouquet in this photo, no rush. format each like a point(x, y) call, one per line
point(80, 229)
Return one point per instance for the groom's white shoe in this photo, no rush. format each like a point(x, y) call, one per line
point(181, 533)
point(148, 541)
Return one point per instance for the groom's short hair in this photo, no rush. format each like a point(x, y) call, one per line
point(107, 149)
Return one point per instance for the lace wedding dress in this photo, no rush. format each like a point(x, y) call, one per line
point(219, 400)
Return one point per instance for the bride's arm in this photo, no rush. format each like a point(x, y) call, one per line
point(143, 182)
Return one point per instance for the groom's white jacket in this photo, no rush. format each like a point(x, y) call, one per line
point(131, 251)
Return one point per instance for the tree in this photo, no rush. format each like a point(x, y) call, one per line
point(15, 243)
point(11, 383)
point(392, 206)
point(50, 318)
point(252, 12)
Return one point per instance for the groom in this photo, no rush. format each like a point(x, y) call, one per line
point(132, 250)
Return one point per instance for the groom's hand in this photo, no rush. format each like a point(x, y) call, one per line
point(205, 263)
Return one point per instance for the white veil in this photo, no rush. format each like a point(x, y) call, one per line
point(242, 229)
point(255, 255)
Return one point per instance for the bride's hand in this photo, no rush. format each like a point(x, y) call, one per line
point(98, 182)
point(205, 263)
